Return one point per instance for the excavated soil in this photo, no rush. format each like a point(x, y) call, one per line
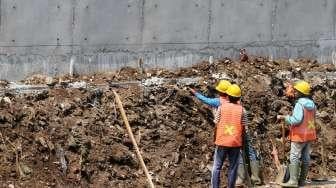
point(75, 137)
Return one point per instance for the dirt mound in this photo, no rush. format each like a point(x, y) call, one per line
point(75, 136)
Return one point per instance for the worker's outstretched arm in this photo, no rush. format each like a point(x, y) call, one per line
point(213, 102)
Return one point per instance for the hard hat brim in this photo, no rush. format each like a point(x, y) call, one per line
point(299, 90)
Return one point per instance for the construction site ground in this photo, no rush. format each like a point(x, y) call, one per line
point(68, 132)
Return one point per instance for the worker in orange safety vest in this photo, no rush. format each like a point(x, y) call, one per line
point(229, 136)
point(215, 103)
point(302, 133)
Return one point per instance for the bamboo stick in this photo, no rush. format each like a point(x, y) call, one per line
point(130, 133)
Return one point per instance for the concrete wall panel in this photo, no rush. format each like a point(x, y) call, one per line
point(18, 66)
point(41, 36)
point(35, 22)
point(303, 20)
point(100, 22)
point(176, 21)
point(241, 21)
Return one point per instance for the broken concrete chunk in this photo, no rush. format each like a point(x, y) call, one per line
point(61, 156)
point(176, 157)
point(5, 100)
point(50, 146)
point(72, 144)
point(120, 154)
point(25, 170)
point(42, 141)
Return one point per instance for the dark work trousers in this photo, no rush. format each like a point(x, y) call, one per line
point(220, 155)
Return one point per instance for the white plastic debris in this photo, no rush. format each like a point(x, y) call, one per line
point(153, 81)
point(211, 60)
point(71, 66)
point(188, 81)
point(291, 61)
point(284, 75)
point(220, 76)
point(333, 57)
point(78, 85)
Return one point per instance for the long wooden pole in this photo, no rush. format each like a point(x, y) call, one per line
point(130, 133)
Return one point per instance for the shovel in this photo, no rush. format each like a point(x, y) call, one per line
point(281, 168)
point(283, 171)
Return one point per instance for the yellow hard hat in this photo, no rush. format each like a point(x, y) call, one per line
point(234, 91)
point(303, 87)
point(222, 86)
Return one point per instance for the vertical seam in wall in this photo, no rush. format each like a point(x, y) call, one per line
point(334, 20)
point(73, 19)
point(142, 20)
point(1, 14)
point(209, 21)
point(273, 18)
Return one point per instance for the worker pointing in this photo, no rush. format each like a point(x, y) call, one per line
point(221, 88)
point(228, 131)
point(302, 133)
point(229, 137)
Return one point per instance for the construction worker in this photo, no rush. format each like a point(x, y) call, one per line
point(229, 137)
point(229, 132)
point(215, 103)
point(302, 133)
point(254, 163)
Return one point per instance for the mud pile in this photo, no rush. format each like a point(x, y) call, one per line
point(72, 134)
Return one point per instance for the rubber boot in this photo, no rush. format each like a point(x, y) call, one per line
point(255, 170)
point(240, 176)
point(303, 174)
point(293, 173)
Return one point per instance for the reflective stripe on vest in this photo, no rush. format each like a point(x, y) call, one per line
point(305, 131)
point(229, 129)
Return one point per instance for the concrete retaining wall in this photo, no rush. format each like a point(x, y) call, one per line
point(42, 36)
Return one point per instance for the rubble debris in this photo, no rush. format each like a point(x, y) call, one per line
point(24, 170)
point(4, 83)
point(243, 56)
point(4, 101)
point(36, 79)
point(62, 161)
point(71, 134)
point(122, 155)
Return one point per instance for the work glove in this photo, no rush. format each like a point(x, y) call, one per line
point(280, 117)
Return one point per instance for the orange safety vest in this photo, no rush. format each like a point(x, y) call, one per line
point(229, 129)
point(305, 131)
point(222, 101)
